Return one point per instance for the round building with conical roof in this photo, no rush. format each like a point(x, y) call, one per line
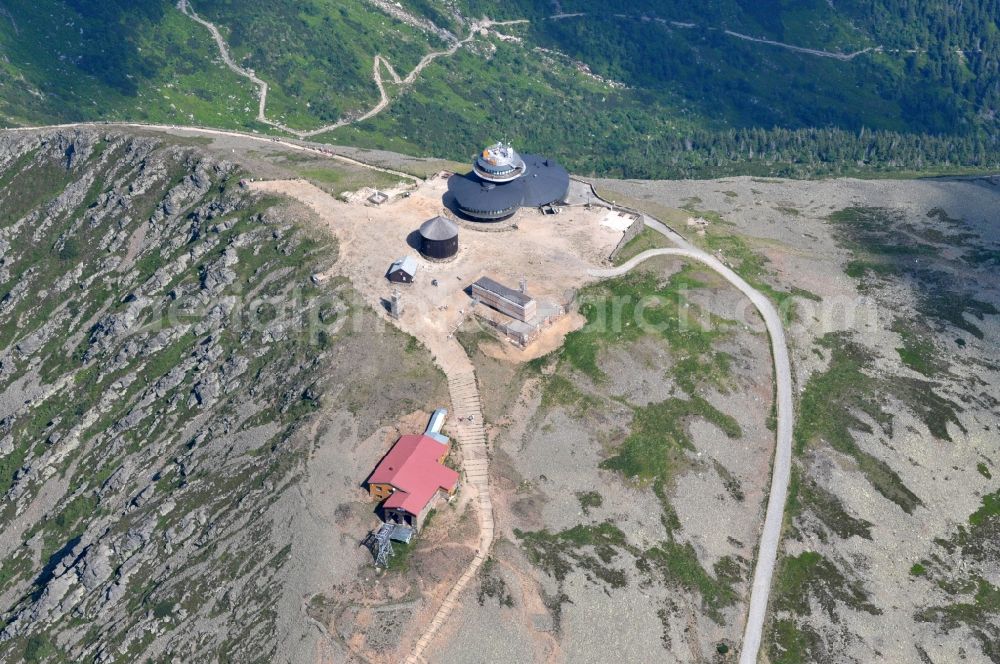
point(502, 181)
point(438, 238)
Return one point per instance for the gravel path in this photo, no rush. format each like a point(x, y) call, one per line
point(220, 43)
point(846, 57)
point(378, 63)
point(311, 148)
point(768, 549)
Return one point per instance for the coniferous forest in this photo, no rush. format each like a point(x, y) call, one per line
point(652, 89)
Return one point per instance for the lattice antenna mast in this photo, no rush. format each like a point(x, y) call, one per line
point(381, 545)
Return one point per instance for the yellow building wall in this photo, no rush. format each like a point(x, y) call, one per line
point(379, 491)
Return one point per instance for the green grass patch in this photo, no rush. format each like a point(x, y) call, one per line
point(399, 561)
point(12, 569)
point(337, 181)
point(492, 585)
point(805, 495)
point(990, 511)
point(811, 576)
point(638, 304)
point(918, 351)
point(883, 245)
point(39, 648)
point(980, 615)
point(752, 266)
point(975, 601)
point(67, 523)
point(558, 390)
point(793, 642)
point(646, 239)
point(790, 211)
point(589, 548)
point(471, 337)
point(589, 500)
point(594, 549)
point(833, 404)
point(657, 445)
point(678, 563)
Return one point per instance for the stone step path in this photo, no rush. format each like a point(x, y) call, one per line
point(465, 427)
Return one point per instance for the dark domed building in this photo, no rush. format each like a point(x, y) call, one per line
point(438, 238)
point(502, 181)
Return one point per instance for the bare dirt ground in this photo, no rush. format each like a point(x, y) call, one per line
point(355, 611)
point(552, 252)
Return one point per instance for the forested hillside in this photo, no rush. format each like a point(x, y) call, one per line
point(658, 88)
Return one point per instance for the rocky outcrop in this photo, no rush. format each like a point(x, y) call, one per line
point(154, 419)
point(122, 266)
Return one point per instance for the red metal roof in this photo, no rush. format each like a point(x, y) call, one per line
point(412, 468)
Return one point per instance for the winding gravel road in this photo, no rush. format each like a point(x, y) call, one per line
point(475, 27)
point(845, 57)
point(767, 551)
point(380, 62)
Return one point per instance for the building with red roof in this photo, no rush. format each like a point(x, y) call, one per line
point(412, 477)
